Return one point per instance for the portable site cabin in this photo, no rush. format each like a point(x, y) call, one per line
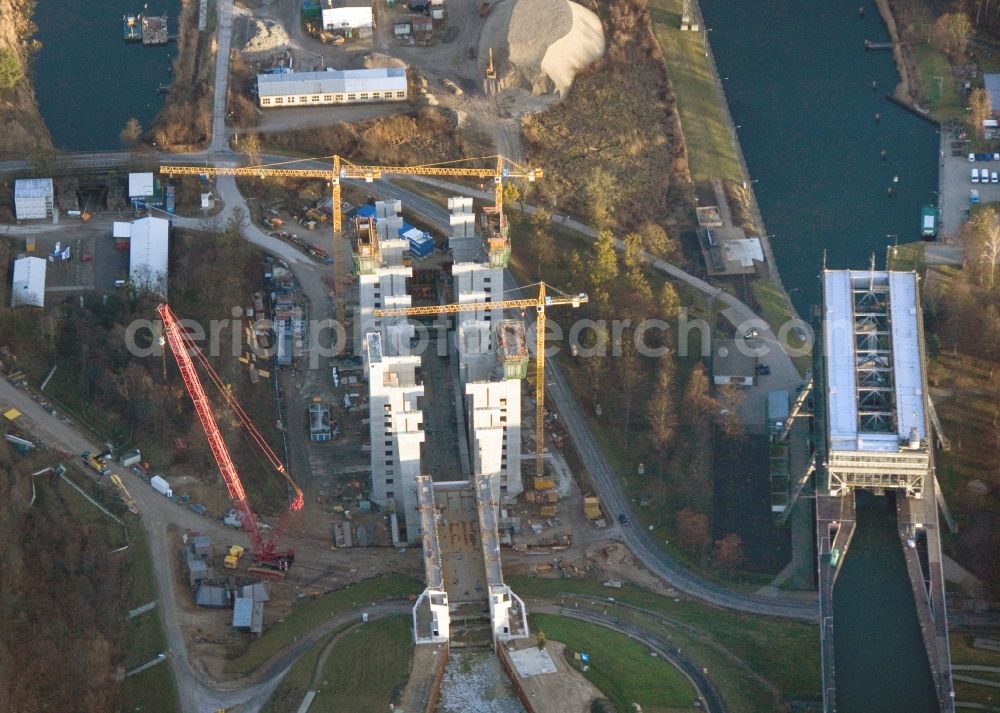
point(33, 198)
point(421, 244)
point(28, 287)
point(148, 254)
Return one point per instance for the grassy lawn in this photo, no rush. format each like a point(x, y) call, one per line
point(621, 667)
point(153, 689)
point(775, 309)
point(908, 256)
point(943, 92)
point(368, 666)
point(288, 695)
point(711, 151)
point(962, 652)
point(785, 653)
point(314, 612)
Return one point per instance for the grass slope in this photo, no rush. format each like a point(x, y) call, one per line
point(710, 145)
point(314, 612)
point(622, 668)
point(367, 666)
point(785, 653)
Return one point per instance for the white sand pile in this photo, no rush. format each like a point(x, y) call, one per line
point(541, 56)
point(266, 37)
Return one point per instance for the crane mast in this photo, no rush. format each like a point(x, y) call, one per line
point(341, 169)
point(539, 304)
point(264, 552)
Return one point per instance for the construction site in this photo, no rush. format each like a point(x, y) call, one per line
point(428, 429)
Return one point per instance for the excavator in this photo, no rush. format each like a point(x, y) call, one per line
point(126, 495)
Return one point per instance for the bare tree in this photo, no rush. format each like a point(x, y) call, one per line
point(989, 254)
point(661, 410)
point(979, 110)
point(729, 552)
point(250, 147)
point(131, 134)
point(658, 243)
point(693, 531)
point(951, 32)
point(542, 242)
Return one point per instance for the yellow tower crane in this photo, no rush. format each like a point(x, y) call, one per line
point(502, 169)
point(540, 303)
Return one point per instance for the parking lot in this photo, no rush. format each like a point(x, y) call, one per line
point(956, 185)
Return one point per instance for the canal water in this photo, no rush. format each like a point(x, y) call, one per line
point(799, 85)
point(88, 80)
point(880, 661)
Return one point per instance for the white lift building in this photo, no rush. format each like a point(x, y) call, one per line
point(877, 422)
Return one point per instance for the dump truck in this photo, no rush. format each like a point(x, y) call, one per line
point(592, 508)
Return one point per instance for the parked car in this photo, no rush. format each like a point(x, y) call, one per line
point(994, 177)
point(975, 175)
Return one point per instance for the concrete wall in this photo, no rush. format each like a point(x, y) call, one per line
point(493, 414)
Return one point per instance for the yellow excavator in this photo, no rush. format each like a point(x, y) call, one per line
point(126, 496)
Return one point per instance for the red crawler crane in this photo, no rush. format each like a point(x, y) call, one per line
point(183, 347)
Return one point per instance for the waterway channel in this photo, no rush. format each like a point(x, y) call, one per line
point(880, 659)
point(799, 85)
point(88, 80)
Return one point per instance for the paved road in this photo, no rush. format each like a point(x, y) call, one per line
point(224, 34)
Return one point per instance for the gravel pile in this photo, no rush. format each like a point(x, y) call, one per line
point(542, 57)
point(265, 38)
point(475, 682)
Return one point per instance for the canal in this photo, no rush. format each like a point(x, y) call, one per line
point(880, 661)
point(799, 86)
point(88, 80)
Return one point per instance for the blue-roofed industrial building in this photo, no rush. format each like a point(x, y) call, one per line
point(334, 86)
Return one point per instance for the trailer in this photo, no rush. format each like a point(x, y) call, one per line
point(777, 411)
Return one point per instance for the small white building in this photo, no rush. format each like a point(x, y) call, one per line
point(148, 255)
point(350, 15)
point(33, 198)
point(140, 186)
point(28, 287)
point(334, 86)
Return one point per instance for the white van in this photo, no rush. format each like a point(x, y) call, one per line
point(975, 175)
